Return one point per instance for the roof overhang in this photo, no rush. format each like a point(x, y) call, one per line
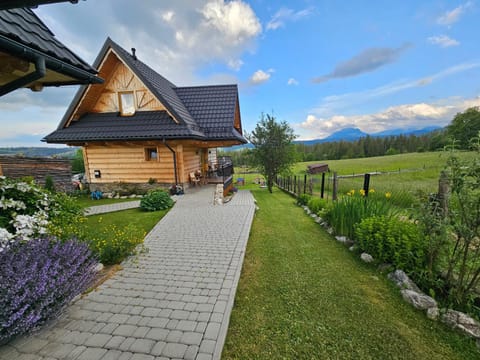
point(22, 66)
point(11, 4)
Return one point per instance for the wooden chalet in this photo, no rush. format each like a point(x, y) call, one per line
point(137, 126)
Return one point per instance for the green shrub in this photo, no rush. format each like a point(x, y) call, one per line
point(156, 200)
point(113, 244)
point(303, 199)
point(316, 204)
point(351, 209)
point(390, 240)
point(49, 184)
point(66, 217)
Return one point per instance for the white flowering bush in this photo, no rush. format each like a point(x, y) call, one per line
point(24, 211)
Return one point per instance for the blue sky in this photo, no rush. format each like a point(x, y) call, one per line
point(319, 65)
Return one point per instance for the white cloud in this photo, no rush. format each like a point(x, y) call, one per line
point(235, 64)
point(292, 81)
point(168, 15)
point(284, 15)
point(260, 76)
point(443, 41)
point(405, 116)
point(176, 38)
point(452, 16)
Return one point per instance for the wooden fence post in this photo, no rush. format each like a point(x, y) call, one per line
point(443, 191)
point(335, 186)
point(305, 183)
point(366, 183)
point(295, 184)
point(322, 191)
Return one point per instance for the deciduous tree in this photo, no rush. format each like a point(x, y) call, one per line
point(273, 151)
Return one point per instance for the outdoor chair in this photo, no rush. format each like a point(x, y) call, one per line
point(194, 179)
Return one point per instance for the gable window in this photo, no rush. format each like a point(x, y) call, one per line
point(151, 154)
point(127, 103)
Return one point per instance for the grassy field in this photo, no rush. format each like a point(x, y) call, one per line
point(304, 296)
point(403, 175)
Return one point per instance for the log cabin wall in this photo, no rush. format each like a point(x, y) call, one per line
point(191, 158)
point(128, 163)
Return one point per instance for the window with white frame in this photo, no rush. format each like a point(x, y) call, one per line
point(127, 103)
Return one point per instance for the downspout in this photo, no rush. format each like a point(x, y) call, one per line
point(174, 160)
point(40, 72)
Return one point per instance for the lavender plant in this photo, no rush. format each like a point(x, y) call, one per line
point(38, 278)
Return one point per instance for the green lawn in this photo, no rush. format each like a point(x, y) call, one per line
point(302, 295)
point(143, 220)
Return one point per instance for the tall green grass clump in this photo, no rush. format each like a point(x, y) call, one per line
point(344, 213)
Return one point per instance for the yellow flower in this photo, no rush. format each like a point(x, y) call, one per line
point(371, 191)
point(388, 195)
point(362, 192)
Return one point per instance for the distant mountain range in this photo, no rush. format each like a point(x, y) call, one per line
point(65, 152)
point(353, 134)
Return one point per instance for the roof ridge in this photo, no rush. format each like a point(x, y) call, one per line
point(204, 86)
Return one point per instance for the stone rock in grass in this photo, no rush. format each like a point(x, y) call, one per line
point(459, 320)
point(403, 281)
point(366, 257)
point(384, 267)
point(99, 267)
point(341, 239)
point(307, 210)
point(433, 313)
point(352, 248)
point(418, 300)
point(330, 231)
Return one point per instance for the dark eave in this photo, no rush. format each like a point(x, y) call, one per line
point(11, 4)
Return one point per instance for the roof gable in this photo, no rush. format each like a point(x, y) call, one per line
point(202, 112)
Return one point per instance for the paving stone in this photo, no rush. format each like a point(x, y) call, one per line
point(173, 350)
point(150, 312)
point(92, 354)
point(212, 331)
point(186, 325)
point(142, 346)
point(216, 317)
point(157, 334)
point(142, 357)
point(115, 342)
point(125, 345)
point(207, 346)
point(201, 326)
point(174, 336)
point(141, 332)
point(191, 338)
point(119, 318)
point(179, 315)
point(158, 322)
point(191, 352)
point(202, 356)
point(33, 345)
point(108, 329)
point(158, 348)
point(112, 355)
point(124, 330)
point(98, 340)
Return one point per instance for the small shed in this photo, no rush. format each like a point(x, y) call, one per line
point(317, 168)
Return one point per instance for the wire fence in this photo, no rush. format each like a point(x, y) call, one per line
point(402, 185)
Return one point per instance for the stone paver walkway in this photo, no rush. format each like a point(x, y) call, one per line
point(173, 302)
point(102, 209)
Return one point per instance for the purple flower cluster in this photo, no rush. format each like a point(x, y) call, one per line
point(38, 279)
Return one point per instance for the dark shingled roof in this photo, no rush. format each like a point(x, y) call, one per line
point(24, 27)
point(144, 125)
point(213, 108)
point(203, 112)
